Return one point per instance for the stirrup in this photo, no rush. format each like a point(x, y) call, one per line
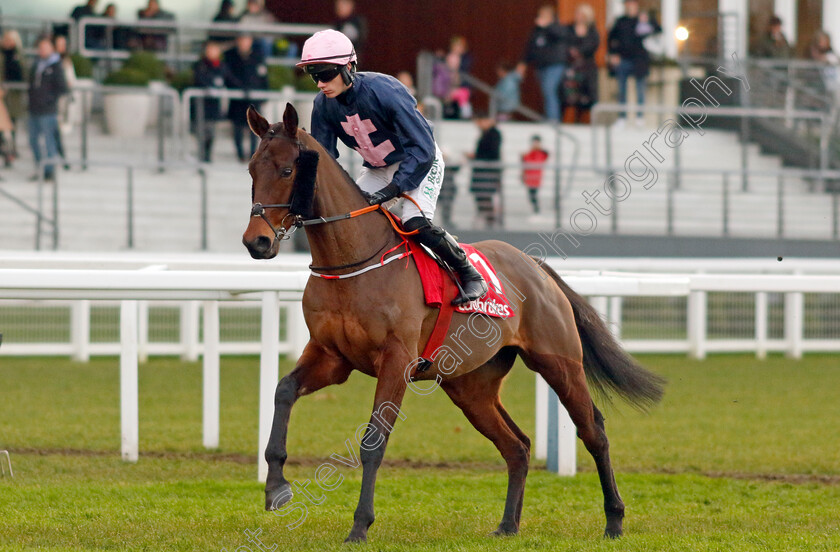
point(462, 298)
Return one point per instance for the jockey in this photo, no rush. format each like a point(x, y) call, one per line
point(377, 116)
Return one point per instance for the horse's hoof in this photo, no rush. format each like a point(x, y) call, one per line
point(612, 532)
point(276, 498)
point(505, 531)
point(355, 538)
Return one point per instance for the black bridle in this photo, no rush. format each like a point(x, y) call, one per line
point(298, 220)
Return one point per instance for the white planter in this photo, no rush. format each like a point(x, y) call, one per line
point(126, 114)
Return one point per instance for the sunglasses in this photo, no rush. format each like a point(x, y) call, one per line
point(323, 75)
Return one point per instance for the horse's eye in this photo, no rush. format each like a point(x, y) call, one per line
point(286, 173)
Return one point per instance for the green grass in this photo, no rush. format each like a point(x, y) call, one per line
point(696, 473)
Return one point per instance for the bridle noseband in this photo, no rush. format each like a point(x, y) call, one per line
point(281, 233)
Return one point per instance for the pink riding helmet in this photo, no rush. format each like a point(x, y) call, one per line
point(327, 46)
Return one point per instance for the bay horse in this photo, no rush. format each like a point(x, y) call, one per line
point(377, 322)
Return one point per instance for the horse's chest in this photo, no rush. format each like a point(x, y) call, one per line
point(351, 336)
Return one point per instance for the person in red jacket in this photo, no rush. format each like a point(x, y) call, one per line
point(531, 174)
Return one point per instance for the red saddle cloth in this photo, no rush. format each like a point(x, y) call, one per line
point(439, 291)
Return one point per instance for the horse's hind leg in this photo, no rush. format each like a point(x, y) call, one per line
point(477, 395)
point(568, 380)
point(315, 369)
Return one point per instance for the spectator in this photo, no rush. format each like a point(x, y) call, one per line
point(448, 87)
point(12, 71)
point(458, 46)
point(210, 73)
point(155, 41)
point(532, 172)
point(407, 79)
point(487, 181)
point(828, 79)
point(546, 52)
point(65, 125)
point(85, 10)
point(6, 126)
point(580, 85)
point(448, 190)
point(224, 15)
point(353, 25)
point(627, 53)
point(507, 90)
point(122, 37)
point(46, 86)
point(246, 71)
point(256, 14)
point(773, 43)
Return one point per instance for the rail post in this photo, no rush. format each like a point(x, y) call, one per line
point(269, 367)
point(190, 314)
point(129, 404)
point(794, 309)
point(761, 325)
point(697, 324)
point(210, 418)
point(80, 329)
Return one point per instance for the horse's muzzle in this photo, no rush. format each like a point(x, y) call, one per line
point(261, 247)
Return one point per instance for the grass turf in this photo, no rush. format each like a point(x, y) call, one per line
point(695, 473)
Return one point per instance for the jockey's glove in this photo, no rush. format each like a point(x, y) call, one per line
point(385, 194)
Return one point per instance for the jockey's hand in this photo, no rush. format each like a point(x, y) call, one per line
point(385, 194)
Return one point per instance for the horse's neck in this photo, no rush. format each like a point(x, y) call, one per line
point(345, 241)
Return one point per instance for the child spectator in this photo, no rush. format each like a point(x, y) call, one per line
point(507, 90)
point(532, 171)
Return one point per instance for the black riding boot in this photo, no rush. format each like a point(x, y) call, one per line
point(444, 246)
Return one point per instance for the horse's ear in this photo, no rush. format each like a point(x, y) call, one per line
point(257, 122)
point(290, 120)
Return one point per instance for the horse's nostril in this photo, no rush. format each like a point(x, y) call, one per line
point(262, 244)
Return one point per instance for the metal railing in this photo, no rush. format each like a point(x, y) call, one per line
point(746, 114)
point(185, 36)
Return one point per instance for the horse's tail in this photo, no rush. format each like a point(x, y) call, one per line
point(607, 365)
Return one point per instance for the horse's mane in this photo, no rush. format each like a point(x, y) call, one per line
point(311, 143)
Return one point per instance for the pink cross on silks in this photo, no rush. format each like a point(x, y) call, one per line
point(361, 131)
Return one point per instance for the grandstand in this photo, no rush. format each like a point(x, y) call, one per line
point(758, 169)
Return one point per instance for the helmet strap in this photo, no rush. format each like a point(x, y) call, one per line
point(348, 75)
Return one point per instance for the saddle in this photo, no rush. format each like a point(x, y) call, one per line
point(440, 287)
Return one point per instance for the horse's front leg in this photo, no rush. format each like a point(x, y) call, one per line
point(316, 368)
point(390, 389)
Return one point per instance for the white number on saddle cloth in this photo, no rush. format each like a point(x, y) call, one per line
point(487, 272)
point(494, 302)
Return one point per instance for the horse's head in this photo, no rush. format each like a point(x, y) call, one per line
point(283, 183)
